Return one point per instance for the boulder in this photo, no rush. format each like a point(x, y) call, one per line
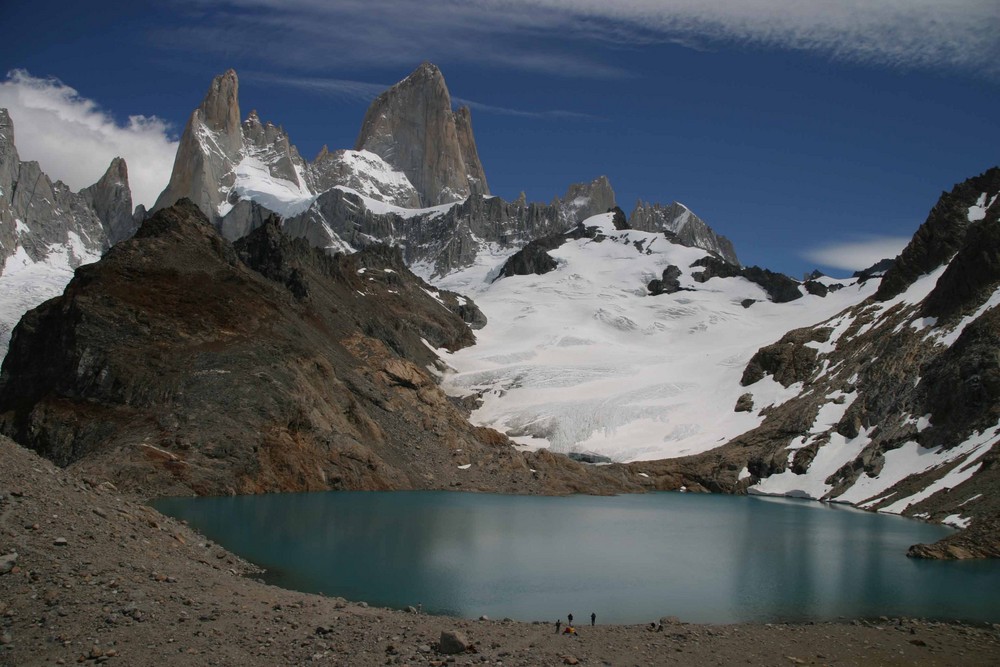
point(452, 642)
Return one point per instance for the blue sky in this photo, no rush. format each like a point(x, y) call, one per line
point(812, 133)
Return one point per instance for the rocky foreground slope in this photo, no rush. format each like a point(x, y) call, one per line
point(89, 575)
point(180, 363)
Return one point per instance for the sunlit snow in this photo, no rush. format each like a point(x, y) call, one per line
point(255, 182)
point(25, 284)
point(583, 359)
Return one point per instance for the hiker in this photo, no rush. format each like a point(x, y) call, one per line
point(558, 625)
point(593, 619)
point(570, 617)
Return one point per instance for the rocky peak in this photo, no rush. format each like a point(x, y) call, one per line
point(111, 199)
point(220, 110)
point(943, 233)
point(210, 147)
point(682, 226)
point(413, 128)
point(583, 200)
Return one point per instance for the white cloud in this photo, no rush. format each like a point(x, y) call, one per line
point(857, 255)
point(74, 140)
point(544, 35)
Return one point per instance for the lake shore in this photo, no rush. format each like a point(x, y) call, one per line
point(100, 577)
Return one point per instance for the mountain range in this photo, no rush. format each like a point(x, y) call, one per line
point(277, 324)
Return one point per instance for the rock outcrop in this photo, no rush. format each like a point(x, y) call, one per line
point(682, 226)
point(413, 128)
point(942, 234)
point(584, 200)
point(779, 287)
point(180, 363)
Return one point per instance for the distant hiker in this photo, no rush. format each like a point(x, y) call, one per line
point(593, 619)
point(558, 625)
point(570, 617)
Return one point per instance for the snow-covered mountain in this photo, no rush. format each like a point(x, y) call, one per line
point(393, 188)
point(638, 340)
point(46, 230)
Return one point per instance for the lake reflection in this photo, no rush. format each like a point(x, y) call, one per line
point(633, 558)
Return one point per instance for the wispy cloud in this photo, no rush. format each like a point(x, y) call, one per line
point(547, 35)
point(365, 92)
point(560, 114)
point(859, 254)
point(74, 140)
point(341, 88)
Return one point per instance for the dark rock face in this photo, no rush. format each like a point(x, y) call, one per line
point(961, 387)
point(789, 360)
point(816, 288)
point(973, 275)
point(179, 364)
point(779, 287)
point(412, 127)
point(533, 258)
point(744, 403)
point(876, 270)
point(668, 283)
point(588, 457)
point(684, 227)
point(941, 235)
point(619, 220)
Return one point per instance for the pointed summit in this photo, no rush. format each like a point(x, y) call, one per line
point(413, 128)
point(111, 199)
point(221, 108)
point(211, 145)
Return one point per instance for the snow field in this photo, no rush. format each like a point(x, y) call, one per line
point(582, 359)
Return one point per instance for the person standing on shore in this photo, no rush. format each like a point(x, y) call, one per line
point(570, 617)
point(558, 625)
point(593, 618)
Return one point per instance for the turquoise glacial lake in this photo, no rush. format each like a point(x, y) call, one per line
point(629, 559)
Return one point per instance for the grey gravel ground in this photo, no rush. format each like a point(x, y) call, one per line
point(89, 576)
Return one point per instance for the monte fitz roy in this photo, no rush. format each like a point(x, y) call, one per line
point(375, 319)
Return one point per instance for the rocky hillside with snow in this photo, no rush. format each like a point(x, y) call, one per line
point(46, 230)
point(180, 363)
point(892, 404)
